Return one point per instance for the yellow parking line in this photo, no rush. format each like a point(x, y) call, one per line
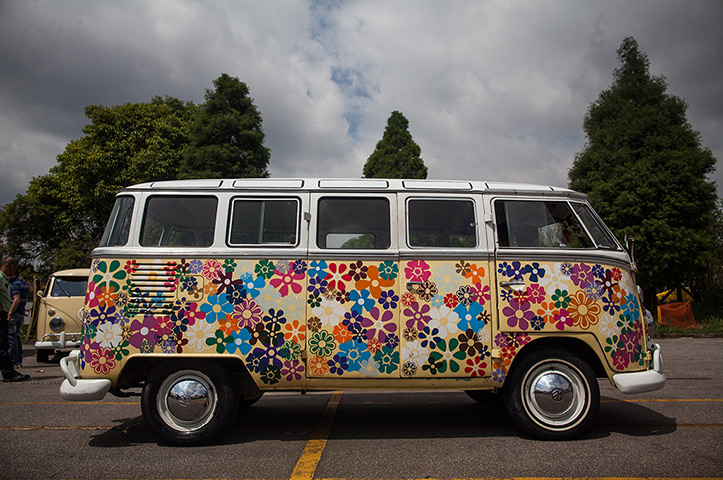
point(306, 466)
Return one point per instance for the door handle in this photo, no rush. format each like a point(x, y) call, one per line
point(411, 286)
point(516, 283)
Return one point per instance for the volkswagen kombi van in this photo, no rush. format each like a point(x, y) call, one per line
point(60, 312)
point(208, 293)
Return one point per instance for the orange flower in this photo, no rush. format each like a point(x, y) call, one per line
point(318, 366)
point(547, 311)
point(295, 332)
point(342, 334)
point(228, 325)
point(583, 310)
point(619, 295)
point(373, 282)
point(210, 289)
point(107, 297)
point(475, 273)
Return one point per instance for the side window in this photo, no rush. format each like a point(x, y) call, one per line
point(179, 221)
point(69, 287)
point(353, 223)
point(119, 223)
point(599, 233)
point(441, 223)
point(531, 224)
point(257, 221)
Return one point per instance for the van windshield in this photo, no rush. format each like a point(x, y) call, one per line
point(69, 287)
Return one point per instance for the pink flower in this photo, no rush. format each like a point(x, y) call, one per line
point(102, 360)
point(518, 314)
point(92, 295)
point(535, 293)
point(212, 269)
point(562, 319)
point(248, 313)
point(417, 271)
point(288, 281)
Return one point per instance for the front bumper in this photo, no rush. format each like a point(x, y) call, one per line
point(641, 382)
point(61, 340)
point(76, 389)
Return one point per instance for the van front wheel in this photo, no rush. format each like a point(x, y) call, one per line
point(552, 394)
point(189, 404)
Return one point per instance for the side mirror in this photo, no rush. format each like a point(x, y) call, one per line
point(40, 294)
point(630, 247)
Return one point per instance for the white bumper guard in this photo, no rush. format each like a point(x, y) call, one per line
point(76, 389)
point(641, 382)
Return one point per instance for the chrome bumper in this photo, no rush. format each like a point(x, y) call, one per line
point(76, 389)
point(641, 382)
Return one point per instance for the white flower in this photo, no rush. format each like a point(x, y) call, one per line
point(445, 319)
point(198, 333)
point(109, 333)
point(446, 278)
point(608, 326)
point(414, 353)
point(330, 312)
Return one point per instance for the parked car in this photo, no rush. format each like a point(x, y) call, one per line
point(60, 312)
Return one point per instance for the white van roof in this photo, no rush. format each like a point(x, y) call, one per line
point(351, 184)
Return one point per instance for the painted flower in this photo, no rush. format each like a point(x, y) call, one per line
point(318, 366)
point(429, 337)
point(257, 361)
point(451, 300)
point(388, 300)
point(292, 370)
point(388, 270)
point(445, 319)
point(335, 277)
point(466, 295)
point(535, 293)
point(212, 269)
point(248, 313)
point(469, 343)
point(418, 315)
point(475, 367)
point(111, 274)
point(561, 298)
point(342, 334)
point(338, 364)
point(295, 331)
point(197, 334)
point(215, 308)
point(408, 299)
point(562, 319)
point(144, 330)
point(518, 315)
point(426, 291)
point(289, 281)
point(240, 342)
point(373, 282)
point(265, 269)
point(468, 316)
point(92, 295)
point(108, 334)
point(417, 271)
point(317, 268)
point(515, 270)
point(388, 359)
point(252, 285)
point(102, 360)
point(415, 353)
point(581, 275)
point(607, 282)
point(475, 273)
point(228, 325)
point(583, 310)
point(362, 300)
point(445, 277)
point(329, 312)
point(322, 343)
point(108, 296)
point(462, 268)
point(357, 271)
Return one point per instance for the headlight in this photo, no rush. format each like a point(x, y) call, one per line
point(56, 324)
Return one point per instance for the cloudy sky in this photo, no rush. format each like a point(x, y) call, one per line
point(493, 90)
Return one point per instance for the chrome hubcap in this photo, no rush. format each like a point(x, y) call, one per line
point(555, 395)
point(187, 400)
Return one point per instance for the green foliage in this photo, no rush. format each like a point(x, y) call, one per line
point(62, 216)
point(646, 172)
point(396, 154)
point(227, 137)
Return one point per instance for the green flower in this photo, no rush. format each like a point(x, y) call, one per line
point(219, 341)
point(314, 300)
point(270, 375)
point(322, 343)
point(388, 359)
point(110, 274)
point(561, 298)
point(229, 265)
point(120, 350)
point(290, 350)
point(265, 269)
point(388, 270)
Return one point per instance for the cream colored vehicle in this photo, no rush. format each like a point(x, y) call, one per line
point(208, 293)
point(60, 309)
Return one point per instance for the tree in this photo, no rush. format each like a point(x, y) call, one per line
point(61, 217)
point(396, 154)
point(227, 137)
point(646, 172)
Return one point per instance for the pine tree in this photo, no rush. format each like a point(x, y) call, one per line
point(396, 154)
point(647, 173)
point(227, 138)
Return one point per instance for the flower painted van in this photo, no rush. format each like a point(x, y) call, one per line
point(208, 293)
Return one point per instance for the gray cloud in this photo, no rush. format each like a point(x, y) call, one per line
point(492, 90)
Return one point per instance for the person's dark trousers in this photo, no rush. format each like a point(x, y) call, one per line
point(6, 365)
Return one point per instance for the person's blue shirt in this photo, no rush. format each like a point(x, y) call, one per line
point(20, 287)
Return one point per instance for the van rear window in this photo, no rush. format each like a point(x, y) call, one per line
point(264, 222)
point(354, 223)
point(179, 221)
point(441, 223)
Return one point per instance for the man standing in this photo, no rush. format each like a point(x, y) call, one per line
point(19, 291)
point(8, 268)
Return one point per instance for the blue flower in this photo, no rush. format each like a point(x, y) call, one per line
point(240, 342)
point(317, 269)
point(356, 353)
point(215, 308)
point(468, 316)
point(253, 285)
point(536, 273)
point(361, 301)
point(388, 300)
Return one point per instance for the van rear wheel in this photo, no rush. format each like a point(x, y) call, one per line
point(552, 394)
point(189, 403)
